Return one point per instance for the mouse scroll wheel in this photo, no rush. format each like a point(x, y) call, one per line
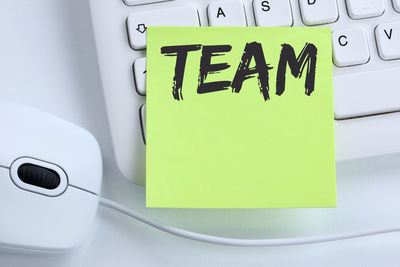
point(38, 176)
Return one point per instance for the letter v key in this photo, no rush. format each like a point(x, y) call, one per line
point(388, 40)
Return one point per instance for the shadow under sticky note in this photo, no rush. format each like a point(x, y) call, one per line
point(239, 118)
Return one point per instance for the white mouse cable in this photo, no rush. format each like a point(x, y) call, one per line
point(243, 242)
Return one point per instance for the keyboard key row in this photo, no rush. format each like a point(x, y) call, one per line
point(350, 47)
point(267, 13)
point(363, 98)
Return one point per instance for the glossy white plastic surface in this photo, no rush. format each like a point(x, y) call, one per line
point(37, 219)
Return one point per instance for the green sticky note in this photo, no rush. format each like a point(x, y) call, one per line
point(239, 117)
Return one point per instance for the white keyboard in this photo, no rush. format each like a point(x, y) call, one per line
point(366, 63)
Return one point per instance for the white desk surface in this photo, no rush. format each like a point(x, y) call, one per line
point(48, 60)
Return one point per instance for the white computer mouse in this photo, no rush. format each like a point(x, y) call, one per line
point(50, 180)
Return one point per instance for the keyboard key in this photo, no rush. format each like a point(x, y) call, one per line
point(388, 40)
point(359, 9)
point(138, 22)
point(142, 2)
point(139, 70)
point(226, 13)
point(273, 13)
point(142, 115)
point(396, 5)
point(366, 93)
point(350, 47)
point(316, 12)
point(367, 137)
